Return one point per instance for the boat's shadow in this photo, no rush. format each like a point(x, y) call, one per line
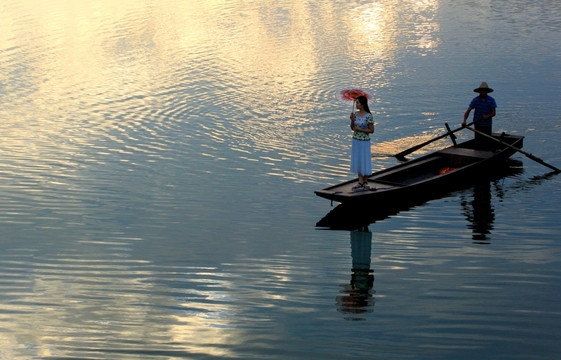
point(352, 217)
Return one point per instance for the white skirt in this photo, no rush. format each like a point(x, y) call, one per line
point(361, 157)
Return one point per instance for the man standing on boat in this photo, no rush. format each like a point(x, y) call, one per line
point(484, 106)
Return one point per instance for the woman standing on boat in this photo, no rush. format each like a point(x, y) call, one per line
point(362, 124)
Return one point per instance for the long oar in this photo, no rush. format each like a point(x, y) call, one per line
point(537, 159)
point(402, 154)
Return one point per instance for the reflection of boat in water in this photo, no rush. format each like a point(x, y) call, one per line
point(479, 211)
point(349, 217)
point(356, 298)
point(428, 175)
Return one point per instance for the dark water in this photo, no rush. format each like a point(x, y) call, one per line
point(158, 162)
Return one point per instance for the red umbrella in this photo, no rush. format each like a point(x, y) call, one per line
point(350, 95)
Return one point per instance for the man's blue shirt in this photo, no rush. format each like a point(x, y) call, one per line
point(482, 108)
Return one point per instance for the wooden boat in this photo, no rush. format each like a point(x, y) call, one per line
point(352, 216)
point(427, 175)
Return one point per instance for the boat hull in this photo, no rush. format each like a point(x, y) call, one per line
point(428, 175)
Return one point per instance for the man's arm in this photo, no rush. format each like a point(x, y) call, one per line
point(466, 115)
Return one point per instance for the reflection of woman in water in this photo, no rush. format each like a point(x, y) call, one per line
point(356, 297)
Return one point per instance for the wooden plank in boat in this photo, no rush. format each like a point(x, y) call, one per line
point(405, 166)
point(475, 153)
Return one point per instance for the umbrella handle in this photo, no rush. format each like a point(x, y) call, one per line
point(352, 120)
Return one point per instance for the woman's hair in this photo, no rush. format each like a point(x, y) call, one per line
point(364, 102)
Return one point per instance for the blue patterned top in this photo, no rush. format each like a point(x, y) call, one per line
point(363, 123)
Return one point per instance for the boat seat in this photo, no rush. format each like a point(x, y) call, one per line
point(480, 154)
point(410, 164)
point(394, 177)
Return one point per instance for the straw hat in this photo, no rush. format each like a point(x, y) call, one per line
point(483, 86)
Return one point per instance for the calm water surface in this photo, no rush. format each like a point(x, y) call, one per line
point(158, 162)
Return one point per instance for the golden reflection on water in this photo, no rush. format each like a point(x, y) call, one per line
point(73, 55)
point(376, 27)
point(372, 29)
point(390, 148)
point(100, 67)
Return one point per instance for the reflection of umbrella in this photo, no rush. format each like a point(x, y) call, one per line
point(350, 95)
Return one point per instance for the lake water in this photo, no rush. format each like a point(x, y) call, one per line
point(158, 162)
